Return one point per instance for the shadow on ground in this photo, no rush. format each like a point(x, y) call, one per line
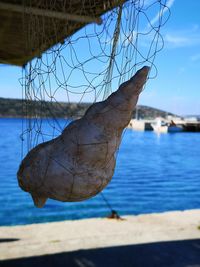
point(6, 240)
point(184, 253)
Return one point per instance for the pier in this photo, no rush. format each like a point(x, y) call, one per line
point(165, 125)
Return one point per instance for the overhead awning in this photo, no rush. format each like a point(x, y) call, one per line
point(30, 27)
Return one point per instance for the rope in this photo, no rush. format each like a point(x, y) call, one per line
point(86, 65)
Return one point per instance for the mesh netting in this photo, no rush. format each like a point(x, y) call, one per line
point(81, 69)
point(89, 64)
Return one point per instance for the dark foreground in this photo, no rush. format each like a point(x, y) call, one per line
point(184, 253)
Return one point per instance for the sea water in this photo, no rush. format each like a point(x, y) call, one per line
point(154, 173)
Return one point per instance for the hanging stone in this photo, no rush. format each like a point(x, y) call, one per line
point(81, 161)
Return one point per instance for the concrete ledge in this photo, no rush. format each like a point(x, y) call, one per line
point(18, 242)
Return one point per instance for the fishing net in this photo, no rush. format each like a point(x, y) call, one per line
point(78, 71)
point(87, 65)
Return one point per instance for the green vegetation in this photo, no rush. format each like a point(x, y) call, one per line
point(145, 112)
point(16, 108)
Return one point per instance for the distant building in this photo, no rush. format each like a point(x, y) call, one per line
point(191, 118)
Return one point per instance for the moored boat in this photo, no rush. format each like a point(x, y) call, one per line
point(161, 126)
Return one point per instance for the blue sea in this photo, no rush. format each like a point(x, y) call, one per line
point(154, 173)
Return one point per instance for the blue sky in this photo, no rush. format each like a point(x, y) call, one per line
point(177, 85)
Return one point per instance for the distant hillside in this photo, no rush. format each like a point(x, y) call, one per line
point(17, 108)
point(145, 112)
point(192, 116)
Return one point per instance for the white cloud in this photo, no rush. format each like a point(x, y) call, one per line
point(181, 39)
point(162, 12)
point(195, 57)
point(181, 70)
point(177, 41)
point(178, 38)
point(195, 27)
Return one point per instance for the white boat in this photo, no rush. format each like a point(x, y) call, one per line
point(161, 126)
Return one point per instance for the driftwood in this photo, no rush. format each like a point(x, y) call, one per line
point(81, 161)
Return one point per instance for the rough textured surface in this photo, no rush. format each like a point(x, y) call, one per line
point(80, 162)
point(166, 239)
point(25, 36)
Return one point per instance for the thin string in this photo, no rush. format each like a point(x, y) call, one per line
point(86, 65)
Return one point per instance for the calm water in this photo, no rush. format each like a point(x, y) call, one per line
point(153, 174)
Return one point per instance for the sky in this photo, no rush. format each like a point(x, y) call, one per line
point(177, 86)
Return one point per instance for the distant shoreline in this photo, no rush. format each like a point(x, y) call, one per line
point(16, 108)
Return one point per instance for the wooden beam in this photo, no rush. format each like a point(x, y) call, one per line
point(48, 13)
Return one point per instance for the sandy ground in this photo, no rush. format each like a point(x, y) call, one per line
point(26, 241)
